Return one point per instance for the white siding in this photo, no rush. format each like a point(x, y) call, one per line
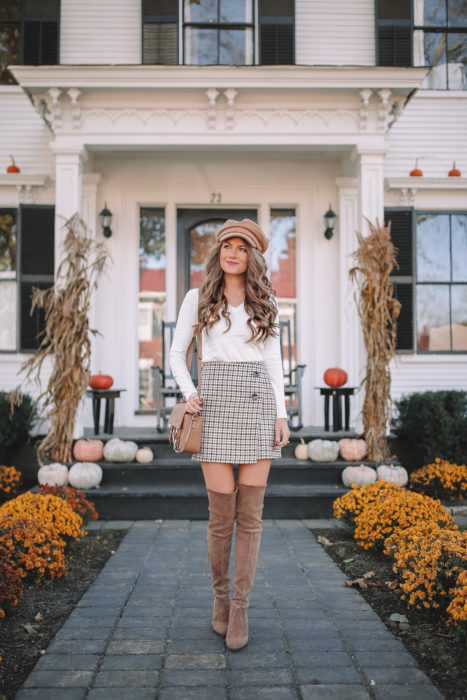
point(100, 32)
point(432, 128)
point(23, 134)
point(337, 32)
point(423, 373)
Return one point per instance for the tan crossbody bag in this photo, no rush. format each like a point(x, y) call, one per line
point(185, 427)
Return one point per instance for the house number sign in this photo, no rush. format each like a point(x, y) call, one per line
point(216, 198)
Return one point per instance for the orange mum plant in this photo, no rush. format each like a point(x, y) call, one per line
point(32, 547)
point(352, 503)
point(428, 560)
point(9, 481)
point(76, 499)
point(441, 479)
point(457, 608)
point(400, 510)
point(47, 509)
point(11, 587)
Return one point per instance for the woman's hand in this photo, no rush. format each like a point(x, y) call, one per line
point(194, 402)
point(282, 433)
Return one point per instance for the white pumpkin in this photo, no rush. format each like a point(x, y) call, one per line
point(301, 450)
point(394, 474)
point(85, 475)
point(117, 450)
point(323, 450)
point(352, 450)
point(144, 455)
point(54, 474)
point(358, 475)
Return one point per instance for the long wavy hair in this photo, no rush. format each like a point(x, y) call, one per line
point(259, 296)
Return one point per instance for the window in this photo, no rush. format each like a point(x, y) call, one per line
point(440, 41)
point(151, 299)
point(28, 34)
point(394, 32)
point(431, 282)
point(26, 261)
point(425, 33)
point(218, 32)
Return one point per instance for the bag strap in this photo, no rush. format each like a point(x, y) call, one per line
point(189, 358)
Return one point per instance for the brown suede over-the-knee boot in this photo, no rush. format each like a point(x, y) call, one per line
point(250, 501)
point(218, 542)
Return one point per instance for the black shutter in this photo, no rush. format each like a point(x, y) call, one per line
point(402, 277)
point(394, 32)
point(49, 47)
point(32, 43)
point(40, 38)
point(276, 32)
point(394, 45)
point(36, 268)
point(160, 32)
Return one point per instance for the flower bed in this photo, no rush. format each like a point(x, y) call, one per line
point(441, 479)
point(429, 553)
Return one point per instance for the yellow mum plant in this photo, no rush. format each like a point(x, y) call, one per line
point(441, 479)
point(48, 509)
point(428, 560)
point(9, 482)
point(400, 510)
point(32, 547)
point(352, 503)
point(457, 608)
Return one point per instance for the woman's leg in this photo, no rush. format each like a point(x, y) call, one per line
point(252, 480)
point(220, 486)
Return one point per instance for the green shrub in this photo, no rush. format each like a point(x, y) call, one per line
point(15, 426)
point(432, 424)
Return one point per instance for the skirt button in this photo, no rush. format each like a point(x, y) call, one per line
point(256, 374)
point(254, 396)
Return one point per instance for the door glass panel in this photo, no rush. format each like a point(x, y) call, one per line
point(434, 45)
point(282, 266)
point(430, 13)
point(457, 13)
point(433, 317)
point(236, 11)
point(7, 240)
point(233, 47)
point(459, 316)
point(8, 313)
point(433, 256)
point(201, 11)
point(151, 299)
point(202, 238)
point(459, 247)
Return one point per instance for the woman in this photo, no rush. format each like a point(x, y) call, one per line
point(242, 403)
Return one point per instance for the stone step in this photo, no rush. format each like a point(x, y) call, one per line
point(189, 501)
point(182, 470)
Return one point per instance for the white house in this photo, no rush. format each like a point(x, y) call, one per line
point(177, 114)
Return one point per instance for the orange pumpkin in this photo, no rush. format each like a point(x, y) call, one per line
point(101, 381)
point(335, 376)
point(454, 172)
point(416, 172)
point(13, 168)
point(88, 450)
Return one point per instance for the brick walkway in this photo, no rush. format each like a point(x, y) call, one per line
point(142, 631)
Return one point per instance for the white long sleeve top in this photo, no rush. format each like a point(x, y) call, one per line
point(231, 346)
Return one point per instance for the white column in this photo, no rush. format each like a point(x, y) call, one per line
point(351, 343)
point(68, 187)
point(370, 172)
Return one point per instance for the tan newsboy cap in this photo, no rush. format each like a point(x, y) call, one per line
point(246, 229)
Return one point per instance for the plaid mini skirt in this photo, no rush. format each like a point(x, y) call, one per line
point(239, 413)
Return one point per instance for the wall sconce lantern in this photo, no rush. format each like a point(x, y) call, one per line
point(106, 219)
point(330, 221)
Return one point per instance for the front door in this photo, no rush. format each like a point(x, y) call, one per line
point(196, 229)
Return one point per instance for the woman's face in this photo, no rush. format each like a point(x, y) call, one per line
point(234, 256)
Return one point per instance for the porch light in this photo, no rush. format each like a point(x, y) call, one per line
point(106, 219)
point(330, 221)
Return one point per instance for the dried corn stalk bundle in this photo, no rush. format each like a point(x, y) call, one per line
point(375, 259)
point(66, 339)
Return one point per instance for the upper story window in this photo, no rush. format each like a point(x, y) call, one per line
point(440, 41)
point(425, 33)
point(29, 31)
point(218, 32)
